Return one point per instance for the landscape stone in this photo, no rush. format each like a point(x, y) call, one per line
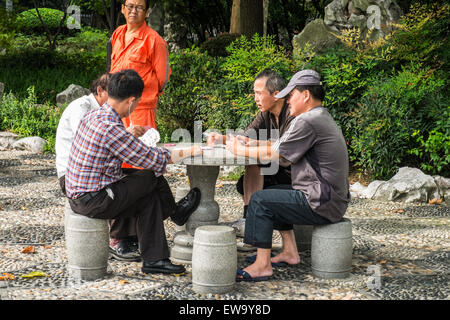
point(72, 92)
point(7, 139)
point(33, 144)
point(408, 185)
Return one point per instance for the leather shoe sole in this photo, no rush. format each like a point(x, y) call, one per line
point(186, 206)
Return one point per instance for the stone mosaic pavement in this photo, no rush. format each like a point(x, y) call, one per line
point(400, 252)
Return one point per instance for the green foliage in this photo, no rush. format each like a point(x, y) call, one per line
point(434, 149)
point(29, 22)
point(194, 76)
point(78, 59)
point(389, 114)
point(27, 118)
point(216, 47)
point(7, 29)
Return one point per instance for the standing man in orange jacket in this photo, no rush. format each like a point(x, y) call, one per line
point(135, 45)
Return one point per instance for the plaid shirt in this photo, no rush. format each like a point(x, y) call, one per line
point(100, 146)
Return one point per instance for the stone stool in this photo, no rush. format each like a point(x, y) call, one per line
point(87, 242)
point(331, 250)
point(214, 259)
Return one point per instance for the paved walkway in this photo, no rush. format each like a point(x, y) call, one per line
point(406, 245)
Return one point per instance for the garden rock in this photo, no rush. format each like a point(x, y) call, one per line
point(2, 88)
point(7, 139)
point(72, 92)
point(409, 185)
point(317, 34)
point(443, 186)
point(33, 144)
point(364, 14)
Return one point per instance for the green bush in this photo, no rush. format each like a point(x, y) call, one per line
point(194, 76)
point(30, 63)
point(27, 118)
point(216, 47)
point(389, 114)
point(29, 22)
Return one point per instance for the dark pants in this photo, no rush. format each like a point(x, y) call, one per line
point(121, 228)
point(140, 195)
point(277, 207)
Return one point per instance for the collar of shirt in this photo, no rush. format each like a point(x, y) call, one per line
point(93, 101)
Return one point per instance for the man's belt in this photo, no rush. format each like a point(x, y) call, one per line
point(85, 197)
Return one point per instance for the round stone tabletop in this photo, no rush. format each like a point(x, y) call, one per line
point(217, 155)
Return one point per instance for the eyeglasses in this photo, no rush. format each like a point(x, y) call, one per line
point(131, 7)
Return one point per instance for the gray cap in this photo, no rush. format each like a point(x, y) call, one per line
point(301, 78)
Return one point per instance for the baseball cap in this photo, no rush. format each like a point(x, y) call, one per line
point(301, 78)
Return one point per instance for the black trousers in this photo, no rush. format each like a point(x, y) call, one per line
point(142, 195)
point(120, 229)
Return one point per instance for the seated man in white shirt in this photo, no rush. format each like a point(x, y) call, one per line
point(123, 232)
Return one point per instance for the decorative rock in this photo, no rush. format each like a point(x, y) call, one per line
point(33, 144)
point(2, 89)
point(331, 250)
point(87, 242)
point(214, 259)
point(371, 189)
point(7, 139)
point(364, 14)
point(356, 189)
point(72, 92)
point(443, 186)
point(408, 185)
point(317, 34)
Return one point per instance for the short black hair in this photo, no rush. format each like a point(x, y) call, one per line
point(274, 82)
point(102, 81)
point(317, 91)
point(147, 3)
point(124, 84)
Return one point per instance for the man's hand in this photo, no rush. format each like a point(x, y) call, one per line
point(215, 138)
point(235, 145)
point(137, 131)
point(180, 154)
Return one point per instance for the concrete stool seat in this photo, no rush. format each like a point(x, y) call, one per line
point(87, 242)
point(214, 259)
point(331, 250)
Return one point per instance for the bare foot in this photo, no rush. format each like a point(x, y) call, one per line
point(289, 258)
point(257, 270)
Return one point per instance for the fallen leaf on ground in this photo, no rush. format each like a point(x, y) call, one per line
point(47, 246)
point(432, 201)
point(439, 201)
point(7, 276)
point(400, 211)
point(219, 185)
point(124, 281)
point(382, 261)
point(34, 274)
point(29, 249)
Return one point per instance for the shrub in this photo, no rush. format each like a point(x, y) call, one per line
point(216, 47)
point(194, 76)
point(27, 118)
point(29, 22)
point(389, 114)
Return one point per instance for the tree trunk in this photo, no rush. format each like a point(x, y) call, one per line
point(113, 17)
point(247, 17)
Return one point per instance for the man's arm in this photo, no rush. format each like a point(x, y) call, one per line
point(262, 152)
point(161, 65)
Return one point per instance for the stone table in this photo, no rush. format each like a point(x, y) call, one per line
point(202, 172)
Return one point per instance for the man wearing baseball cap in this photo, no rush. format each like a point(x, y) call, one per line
point(319, 194)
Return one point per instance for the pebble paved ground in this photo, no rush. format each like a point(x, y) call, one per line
point(407, 244)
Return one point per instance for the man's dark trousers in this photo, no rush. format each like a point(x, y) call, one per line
point(142, 195)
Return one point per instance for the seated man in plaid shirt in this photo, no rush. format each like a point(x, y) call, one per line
point(95, 184)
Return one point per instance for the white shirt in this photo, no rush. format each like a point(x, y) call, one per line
point(67, 127)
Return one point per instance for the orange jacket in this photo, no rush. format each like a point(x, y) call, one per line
point(148, 54)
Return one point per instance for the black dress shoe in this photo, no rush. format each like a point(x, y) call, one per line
point(186, 206)
point(162, 266)
point(124, 251)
